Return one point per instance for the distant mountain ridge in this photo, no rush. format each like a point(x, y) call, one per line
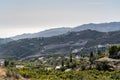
point(59, 44)
point(46, 33)
point(102, 27)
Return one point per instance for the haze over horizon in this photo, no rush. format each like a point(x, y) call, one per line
point(30, 16)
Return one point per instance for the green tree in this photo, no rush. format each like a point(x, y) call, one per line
point(91, 59)
point(103, 66)
point(113, 52)
point(62, 62)
point(6, 63)
point(70, 57)
point(99, 52)
point(12, 63)
point(67, 64)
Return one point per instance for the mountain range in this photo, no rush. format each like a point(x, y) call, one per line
point(61, 40)
point(102, 27)
point(46, 33)
point(71, 41)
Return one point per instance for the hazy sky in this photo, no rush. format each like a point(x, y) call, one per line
point(29, 16)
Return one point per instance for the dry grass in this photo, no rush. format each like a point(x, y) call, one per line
point(3, 75)
point(2, 72)
point(108, 59)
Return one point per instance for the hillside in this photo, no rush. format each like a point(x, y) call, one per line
point(5, 40)
point(6, 74)
point(59, 44)
point(102, 27)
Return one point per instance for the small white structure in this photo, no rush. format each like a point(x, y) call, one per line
point(48, 68)
point(58, 67)
point(77, 57)
point(67, 70)
point(40, 58)
point(19, 66)
point(2, 62)
point(75, 51)
point(100, 46)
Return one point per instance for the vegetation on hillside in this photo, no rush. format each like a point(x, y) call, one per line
point(67, 67)
point(114, 52)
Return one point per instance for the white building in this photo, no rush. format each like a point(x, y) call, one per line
point(19, 66)
point(58, 67)
point(48, 68)
point(2, 61)
point(67, 70)
point(40, 58)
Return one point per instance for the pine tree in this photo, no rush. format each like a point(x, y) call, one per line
point(71, 57)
